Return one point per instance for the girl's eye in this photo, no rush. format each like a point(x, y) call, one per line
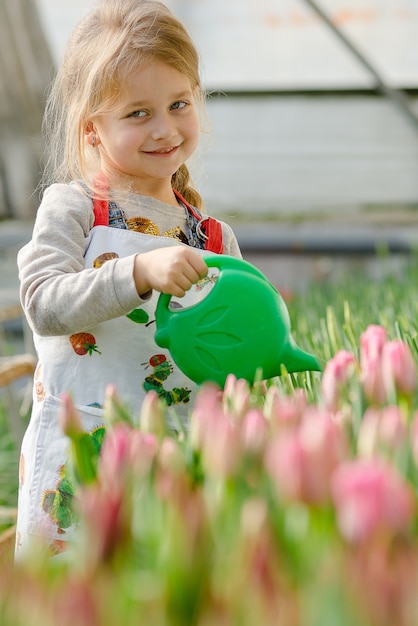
point(178, 105)
point(138, 114)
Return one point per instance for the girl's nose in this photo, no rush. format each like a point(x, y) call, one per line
point(163, 127)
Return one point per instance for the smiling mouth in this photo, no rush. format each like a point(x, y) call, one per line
point(162, 151)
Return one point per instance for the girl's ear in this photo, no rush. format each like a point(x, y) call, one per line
point(91, 135)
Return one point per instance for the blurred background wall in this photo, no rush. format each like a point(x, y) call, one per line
point(25, 68)
point(298, 123)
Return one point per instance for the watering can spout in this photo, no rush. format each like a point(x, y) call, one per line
point(297, 360)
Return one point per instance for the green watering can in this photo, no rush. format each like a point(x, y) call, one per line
point(240, 327)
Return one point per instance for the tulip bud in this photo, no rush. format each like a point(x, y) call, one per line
point(115, 456)
point(336, 374)
point(371, 343)
point(284, 411)
point(371, 348)
point(170, 456)
point(414, 438)
point(69, 417)
point(370, 496)
point(302, 461)
point(214, 432)
point(236, 396)
point(381, 431)
point(399, 368)
point(84, 452)
point(205, 411)
point(254, 431)
point(113, 410)
point(144, 447)
point(152, 414)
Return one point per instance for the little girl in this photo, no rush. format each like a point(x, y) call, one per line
point(120, 224)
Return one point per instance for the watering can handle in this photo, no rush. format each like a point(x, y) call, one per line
point(223, 262)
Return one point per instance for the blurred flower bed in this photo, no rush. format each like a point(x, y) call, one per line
point(292, 502)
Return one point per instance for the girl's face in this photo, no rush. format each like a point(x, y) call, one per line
point(153, 130)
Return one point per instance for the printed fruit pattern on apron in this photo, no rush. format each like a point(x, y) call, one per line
point(161, 370)
point(58, 503)
point(84, 343)
point(39, 387)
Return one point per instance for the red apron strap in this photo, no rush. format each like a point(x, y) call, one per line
point(212, 232)
point(101, 212)
point(100, 206)
point(209, 227)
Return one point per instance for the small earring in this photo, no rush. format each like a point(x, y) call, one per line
point(93, 141)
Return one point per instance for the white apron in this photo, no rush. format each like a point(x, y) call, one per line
point(121, 351)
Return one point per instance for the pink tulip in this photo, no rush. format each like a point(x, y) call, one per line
point(284, 462)
point(214, 432)
point(414, 438)
point(143, 451)
point(370, 496)
point(115, 455)
point(236, 396)
point(302, 461)
point(382, 431)
point(254, 431)
point(336, 374)
point(221, 451)
point(69, 417)
point(373, 382)
point(399, 368)
point(371, 348)
point(371, 344)
point(114, 411)
point(105, 523)
point(170, 456)
point(206, 410)
point(284, 411)
point(152, 414)
point(171, 478)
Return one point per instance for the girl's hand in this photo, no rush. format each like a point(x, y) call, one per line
point(168, 270)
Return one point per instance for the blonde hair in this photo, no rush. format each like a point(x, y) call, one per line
point(108, 44)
